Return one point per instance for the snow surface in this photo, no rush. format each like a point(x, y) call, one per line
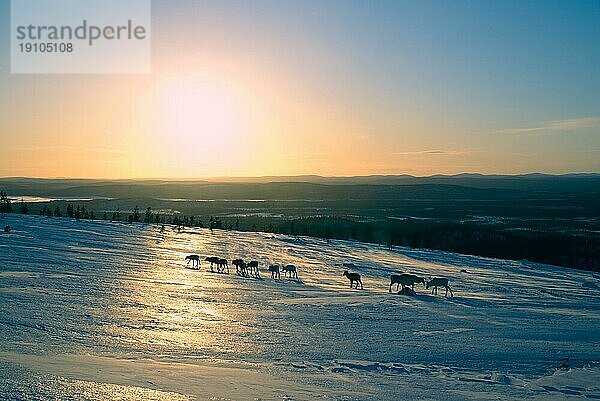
point(98, 310)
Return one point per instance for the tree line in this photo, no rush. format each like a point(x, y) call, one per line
point(580, 251)
point(80, 212)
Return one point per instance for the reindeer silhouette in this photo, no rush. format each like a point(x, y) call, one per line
point(439, 282)
point(291, 269)
point(253, 268)
point(195, 259)
point(354, 278)
point(405, 280)
point(213, 261)
point(222, 265)
point(274, 269)
point(238, 263)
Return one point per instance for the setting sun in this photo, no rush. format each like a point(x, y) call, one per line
point(200, 114)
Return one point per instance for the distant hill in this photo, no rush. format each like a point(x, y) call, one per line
point(309, 186)
point(527, 182)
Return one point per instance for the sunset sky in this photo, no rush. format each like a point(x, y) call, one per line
point(251, 88)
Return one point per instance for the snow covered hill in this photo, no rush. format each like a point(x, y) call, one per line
point(97, 310)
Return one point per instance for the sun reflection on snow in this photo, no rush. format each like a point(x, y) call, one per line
point(165, 306)
point(56, 387)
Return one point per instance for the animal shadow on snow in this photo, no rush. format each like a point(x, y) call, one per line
point(217, 272)
point(407, 292)
point(283, 281)
point(474, 303)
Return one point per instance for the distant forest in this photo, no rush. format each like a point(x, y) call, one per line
point(576, 251)
point(542, 218)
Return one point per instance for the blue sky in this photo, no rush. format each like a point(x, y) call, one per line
point(444, 87)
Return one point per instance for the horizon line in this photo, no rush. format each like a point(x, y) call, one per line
point(217, 178)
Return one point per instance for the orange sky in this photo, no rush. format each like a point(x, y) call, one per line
point(281, 90)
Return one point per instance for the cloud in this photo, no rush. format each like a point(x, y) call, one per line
point(558, 125)
point(434, 152)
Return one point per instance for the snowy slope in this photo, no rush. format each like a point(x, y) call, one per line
point(94, 310)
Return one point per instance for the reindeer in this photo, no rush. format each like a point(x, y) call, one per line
point(212, 260)
point(253, 268)
point(290, 269)
point(274, 269)
point(439, 282)
point(394, 279)
point(405, 280)
point(237, 263)
point(243, 267)
point(354, 277)
point(195, 259)
point(222, 265)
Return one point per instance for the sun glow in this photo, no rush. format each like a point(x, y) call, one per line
point(200, 114)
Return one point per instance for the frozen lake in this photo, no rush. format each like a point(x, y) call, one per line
point(96, 310)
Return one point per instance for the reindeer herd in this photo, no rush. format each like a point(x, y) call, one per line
point(409, 280)
point(250, 269)
point(242, 268)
